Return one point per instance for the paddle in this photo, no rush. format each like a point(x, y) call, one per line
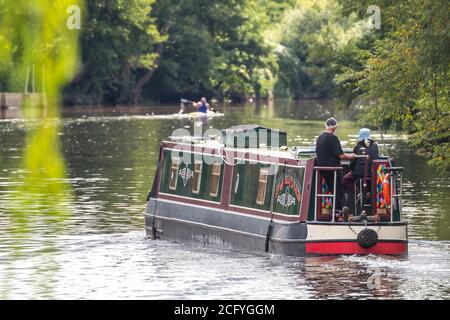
point(182, 107)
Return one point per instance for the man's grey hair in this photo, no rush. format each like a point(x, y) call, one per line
point(331, 123)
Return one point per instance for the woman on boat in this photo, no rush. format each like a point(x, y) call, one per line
point(365, 146)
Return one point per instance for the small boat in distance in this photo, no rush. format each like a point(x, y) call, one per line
point(244, 189)
point(196, 114)
point(210, 113)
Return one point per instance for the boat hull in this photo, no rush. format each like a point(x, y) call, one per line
point(245, 232)
point(223, 228)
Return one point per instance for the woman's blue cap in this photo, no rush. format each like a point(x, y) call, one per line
point(364, 134)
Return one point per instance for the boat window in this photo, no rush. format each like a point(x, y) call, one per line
point(173, 180)
point(262, 187)
point(197, 177)
point(215, 178)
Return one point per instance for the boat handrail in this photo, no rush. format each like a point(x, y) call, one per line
point(361, 156)
point(333, 195)
point(328, 168)
point(396, 190)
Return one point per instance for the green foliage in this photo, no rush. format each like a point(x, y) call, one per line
point(275, 9)
point(167, 49)
point(310, 39)
point(164, 50)
point(406, 76)
point(214, 47)
point(119, 42)
point(34, 34)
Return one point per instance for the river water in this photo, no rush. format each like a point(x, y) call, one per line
point(99, 251)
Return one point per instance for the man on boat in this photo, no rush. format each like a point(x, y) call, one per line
point(329, 154)
point(202, 106)
point(360, 167)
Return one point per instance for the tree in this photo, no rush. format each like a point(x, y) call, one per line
point(120, 46)
point(310, 39)
point(406, 75)
point(214, 47)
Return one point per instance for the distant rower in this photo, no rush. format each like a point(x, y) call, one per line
point(202, 106)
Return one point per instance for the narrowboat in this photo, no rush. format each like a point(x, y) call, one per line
point(244, 189)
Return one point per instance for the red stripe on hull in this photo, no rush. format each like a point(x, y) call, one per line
point(388, 248)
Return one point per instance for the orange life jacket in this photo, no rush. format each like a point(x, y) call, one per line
point(386, 187)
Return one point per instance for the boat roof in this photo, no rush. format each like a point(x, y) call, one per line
point(287, 153)
point(295, 152)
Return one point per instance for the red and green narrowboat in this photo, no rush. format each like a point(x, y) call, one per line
point(245, 190)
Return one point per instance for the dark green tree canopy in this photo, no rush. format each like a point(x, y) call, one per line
point(146, 51)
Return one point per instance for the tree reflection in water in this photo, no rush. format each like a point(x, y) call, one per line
point(42, 193)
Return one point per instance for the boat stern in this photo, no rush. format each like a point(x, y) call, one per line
point(360, 239)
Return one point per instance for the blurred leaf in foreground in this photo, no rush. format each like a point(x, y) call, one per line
point(35, 35)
